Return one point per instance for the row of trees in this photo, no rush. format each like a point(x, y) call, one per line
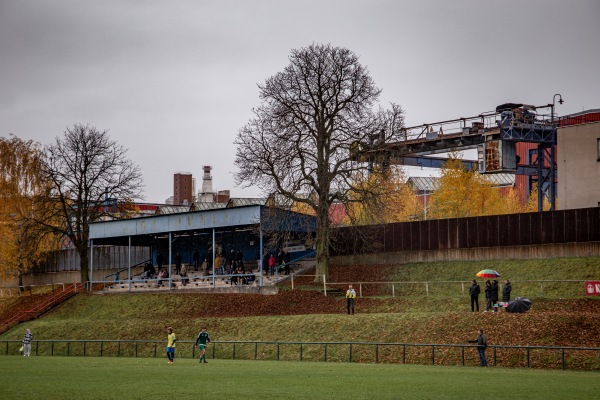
point(50, 194)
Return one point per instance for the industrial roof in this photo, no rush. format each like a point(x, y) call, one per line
point(431, 183)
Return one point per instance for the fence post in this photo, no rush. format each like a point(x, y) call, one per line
point(432, 355)
point(300, 351)
point(427, 288)
point(563, 357)
point(324, 285)
point(393, 292)
point(528, 357)
point(377, 354)
point(324, 353)
point(255, 350)
point(102, 349)
point(360, 289)
point(404, 355)
point(463, 287)
point(542, 288)
point(84, 346)
point(234, 350)
point(462, 355)
point(495, 355)
point(292, 281)
point(277, 351)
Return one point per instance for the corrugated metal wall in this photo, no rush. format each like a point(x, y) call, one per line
point(105, 257)
point(563, 226)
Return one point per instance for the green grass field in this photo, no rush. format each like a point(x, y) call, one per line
point(135, 378)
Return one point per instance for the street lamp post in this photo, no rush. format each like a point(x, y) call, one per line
point(552, 154)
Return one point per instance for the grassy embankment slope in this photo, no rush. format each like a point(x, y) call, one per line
point(562, 316)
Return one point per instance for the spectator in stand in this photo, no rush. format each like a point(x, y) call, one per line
point(231, 261)
point(495, 295)
point(222, 261)
point(204, 267)
point(196, 259)
point(162, 276)
point(286, 260)
point(184, 279)
point(27, 339)
point(280, 260)
point(265, 263)
point(506, 291)
point(149, 270)
point(488, 296)
point(217, 259)
point(474, 291)
point(272, 262)
point(178, 264)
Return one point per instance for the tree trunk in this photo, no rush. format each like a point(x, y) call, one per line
point(322, 243)
point(84, 261)
point(20, 278)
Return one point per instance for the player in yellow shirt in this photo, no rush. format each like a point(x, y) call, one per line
point(171, 339)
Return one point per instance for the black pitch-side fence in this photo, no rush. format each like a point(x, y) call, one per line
point(550, 357)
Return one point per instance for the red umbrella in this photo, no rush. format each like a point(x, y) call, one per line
point(488, 273)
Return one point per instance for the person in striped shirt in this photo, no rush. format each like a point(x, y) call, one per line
point(27, 339)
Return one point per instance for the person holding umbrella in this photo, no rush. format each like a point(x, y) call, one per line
point(488, 296)
point(474, 291)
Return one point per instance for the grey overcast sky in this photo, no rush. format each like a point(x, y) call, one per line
point(173, 81)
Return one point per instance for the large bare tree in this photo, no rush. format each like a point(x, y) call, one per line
point(314, 120)
point(86, 168)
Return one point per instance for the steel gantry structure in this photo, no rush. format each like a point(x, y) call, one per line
point(494, 134)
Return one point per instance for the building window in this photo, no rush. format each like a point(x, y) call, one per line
point(598, 149)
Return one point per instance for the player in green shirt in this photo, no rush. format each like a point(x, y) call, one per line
point(201, 341)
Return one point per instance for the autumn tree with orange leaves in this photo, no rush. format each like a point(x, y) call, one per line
point(466, 193)
point(23, 193)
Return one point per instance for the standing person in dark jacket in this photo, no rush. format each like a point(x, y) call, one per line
point(178, 263)
point(474, 291)
point(286, 259)
point(495, 294)
point(481, 346)
point(488, 296)
point(506, 291)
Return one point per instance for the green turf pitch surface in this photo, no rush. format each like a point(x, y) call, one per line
point(148, 378)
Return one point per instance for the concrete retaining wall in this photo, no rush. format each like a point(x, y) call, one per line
point(589, 249)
